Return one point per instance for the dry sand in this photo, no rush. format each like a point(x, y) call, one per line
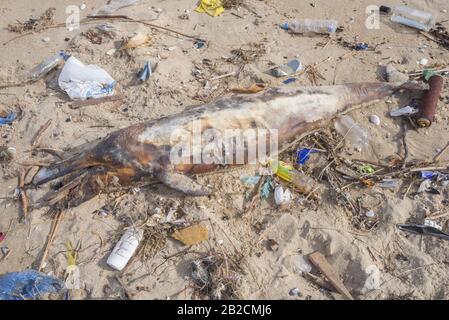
point(409, 267)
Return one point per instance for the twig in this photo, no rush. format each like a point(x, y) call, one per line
point(408, 189)
point(122, 17)
point(439, 216)
point(404, 142)
point(428, 169)
point(438, 156)
point(91, 102)
point(51, 236)
point(318, 281)
point(223, 76)
point(155, 26)
point(40, 132)
point(23, 196)
point(54, 152)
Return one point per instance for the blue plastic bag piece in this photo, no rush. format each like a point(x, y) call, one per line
point(64, 55)
point(8, 119)
point(361, 46)
point(199, 44)
point(145, 74)
point(428, 174)
point(285, 26)
point(303, 154)
point(289, 80)
point(266, 189)
point(28, 284)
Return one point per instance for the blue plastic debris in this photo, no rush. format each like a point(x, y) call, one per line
point(8, 119)
point(199, 44)
point(146, 72)
point(303, 154)
point(428, 174)
point(285, 26)
point(289, 80)
point(28, 284)
point(361, 46)
point(266, 189)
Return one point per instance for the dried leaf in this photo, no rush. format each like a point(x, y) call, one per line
point(191, 235)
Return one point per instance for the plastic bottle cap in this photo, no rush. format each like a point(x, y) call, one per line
point(285, 26)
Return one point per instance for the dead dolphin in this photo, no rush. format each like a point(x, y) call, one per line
point(146, 149)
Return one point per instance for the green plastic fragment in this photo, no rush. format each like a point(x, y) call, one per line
point(366, 169)
point(428, 73)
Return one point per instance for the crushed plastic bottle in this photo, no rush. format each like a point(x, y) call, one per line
point(46, 66)
point(286, 172)
point(348, 128)
point(413, 18)
point(311, 26)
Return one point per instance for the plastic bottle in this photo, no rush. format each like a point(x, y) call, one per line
point(125, 248)
point(45, 67)
point(311, 26)
point(299, 180)
point(413, 18)
point(348, 128)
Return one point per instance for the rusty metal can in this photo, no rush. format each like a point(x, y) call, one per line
point(429, 102)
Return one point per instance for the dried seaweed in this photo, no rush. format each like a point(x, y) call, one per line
point(217, 276)
point(155, 238)
point(229, 4)
point(5, 155)
point(247, 53)
point(34, 24)
point(442, 35)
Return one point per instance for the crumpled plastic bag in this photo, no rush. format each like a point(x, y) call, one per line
point(8, 119)
point(83, 82)
point(211, 7)
point(28, 284)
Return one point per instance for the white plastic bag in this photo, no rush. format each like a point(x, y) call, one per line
point(83, 82)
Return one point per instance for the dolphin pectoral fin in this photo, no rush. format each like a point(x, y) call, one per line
point(183, 183)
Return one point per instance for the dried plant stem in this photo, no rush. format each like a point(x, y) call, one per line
point(50, 238)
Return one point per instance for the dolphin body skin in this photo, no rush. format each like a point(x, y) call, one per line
point(143, 150)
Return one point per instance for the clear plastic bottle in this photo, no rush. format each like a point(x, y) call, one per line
point(413, 18)
point(45, 67)
point(348, 128)
point(301, 182)
point(311, 26)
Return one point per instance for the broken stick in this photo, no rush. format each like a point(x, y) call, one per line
point(323, 265)
point(22, 195)
point(92, 102)
point(40, 132)
point(51, 236)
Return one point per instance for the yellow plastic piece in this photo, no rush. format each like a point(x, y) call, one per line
point(211, 7)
